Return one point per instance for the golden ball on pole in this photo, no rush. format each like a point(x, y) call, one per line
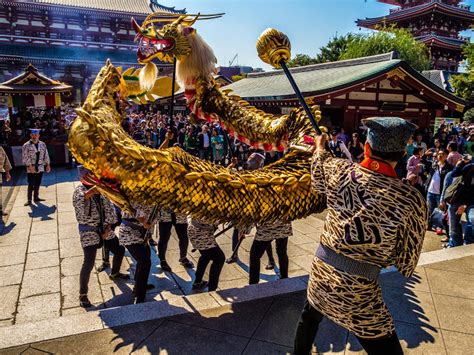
point(273, 46)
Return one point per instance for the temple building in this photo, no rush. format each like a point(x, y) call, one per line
point(70, 40)
point(350, 90)
point(436, 23)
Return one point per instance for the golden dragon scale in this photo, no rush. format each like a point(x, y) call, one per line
point(131, 173)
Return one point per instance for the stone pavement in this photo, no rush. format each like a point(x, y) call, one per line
point(433, 312)
point(41, 256)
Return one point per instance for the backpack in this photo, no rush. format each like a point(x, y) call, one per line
point(462, 187)
point(454, 191)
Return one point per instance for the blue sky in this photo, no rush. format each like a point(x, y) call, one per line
point(308, 23)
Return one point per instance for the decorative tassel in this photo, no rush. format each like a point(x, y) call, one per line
point(148, 76)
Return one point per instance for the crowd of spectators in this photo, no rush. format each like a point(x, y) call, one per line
point(207, 141)
point(434, 160)
point(53, 122)
point(438, 164)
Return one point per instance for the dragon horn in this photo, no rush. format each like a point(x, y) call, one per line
point(136, 26)
point(192, 22)
point(183, 20)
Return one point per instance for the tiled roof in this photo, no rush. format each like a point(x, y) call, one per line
point(326, 79)
point(439, 78)
point(433, 5)
point(131, 6)
point(68, 54)
point(34, 82)
point(445, 40)
point(313, 79)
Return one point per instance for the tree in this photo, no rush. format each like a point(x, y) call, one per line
point(463, 84)
point(388, 39)
point(469, 115)
point(300, 60)
point(238, 77)
point(329, 53)
point(332, 51)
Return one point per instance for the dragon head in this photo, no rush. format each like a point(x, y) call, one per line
point(175, 40)
point(165, 43)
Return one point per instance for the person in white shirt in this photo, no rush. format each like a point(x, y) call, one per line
point(436, 180)
point(204, 143)
point(338, 147)
point(418, 143)
point(36, 158)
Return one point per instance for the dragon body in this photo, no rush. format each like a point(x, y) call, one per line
point(129, 172)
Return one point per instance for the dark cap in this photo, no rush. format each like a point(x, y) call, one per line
point(388, 134)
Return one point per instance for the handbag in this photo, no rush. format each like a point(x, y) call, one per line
point(436, 218)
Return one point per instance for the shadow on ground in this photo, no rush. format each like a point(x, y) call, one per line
point(264, 326)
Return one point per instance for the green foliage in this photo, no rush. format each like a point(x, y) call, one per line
point(351, 46)
point(301, 60)
point(334, 49)
point(241, 76)
point(464, 83)
point(329, 53)
point(388, 39)
point(469, 115)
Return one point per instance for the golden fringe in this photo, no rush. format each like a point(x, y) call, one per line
point(148, 76)
point(200, 63)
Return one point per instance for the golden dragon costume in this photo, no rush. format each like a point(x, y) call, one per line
point(127, 171)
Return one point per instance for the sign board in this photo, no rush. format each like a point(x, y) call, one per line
point(445, 120)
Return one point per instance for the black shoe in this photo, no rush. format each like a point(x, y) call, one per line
point(186, 263)
point(232, 260)
point(270, 266)
point(27, 203)
point(4, 214)
point(200, 285)
point(103, 267)
point(165, 266)
point(84, 301)
point(152, 243)
point(39, 199)
point(119, 275)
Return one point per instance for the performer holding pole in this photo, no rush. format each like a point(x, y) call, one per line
point(133, 235)
point(255, 161)
point(374, 221)
point(95, 215)
point(201, 236)
point(168, 219)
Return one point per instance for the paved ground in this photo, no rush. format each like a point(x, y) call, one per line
point(433, 311)
point(41, 256)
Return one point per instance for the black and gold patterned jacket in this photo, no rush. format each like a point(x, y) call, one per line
point(371, 218)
